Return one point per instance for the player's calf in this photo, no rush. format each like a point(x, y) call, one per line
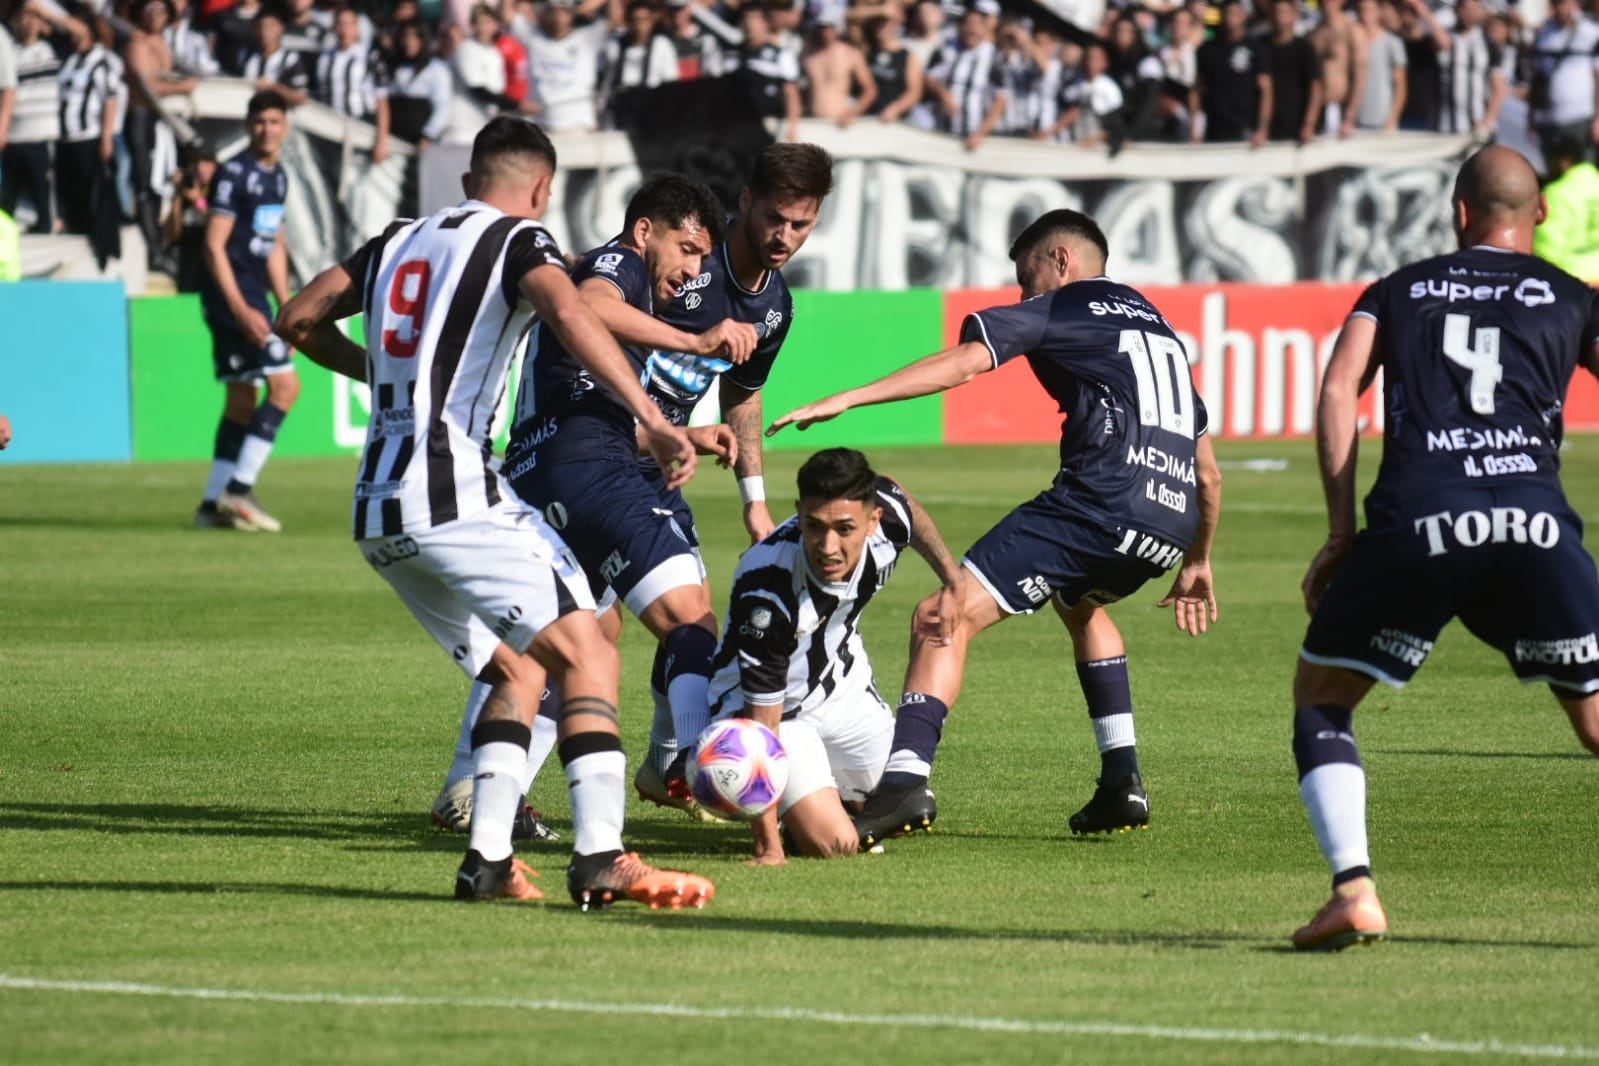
point(818, 827)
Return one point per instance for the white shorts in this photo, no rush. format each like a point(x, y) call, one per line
point(842, 744)
point(497, 577)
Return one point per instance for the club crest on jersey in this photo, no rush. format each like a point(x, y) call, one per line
point(693, 300)
point(761, 618)
point(608, 263)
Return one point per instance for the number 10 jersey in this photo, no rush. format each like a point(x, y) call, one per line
point(1120, 375)
point(444, 312)
point(1477, 348)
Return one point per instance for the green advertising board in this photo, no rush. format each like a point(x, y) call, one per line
point(837, 340)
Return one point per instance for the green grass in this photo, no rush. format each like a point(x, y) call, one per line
point(219, 750)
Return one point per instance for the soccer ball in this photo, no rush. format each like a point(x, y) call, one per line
point(738, 769)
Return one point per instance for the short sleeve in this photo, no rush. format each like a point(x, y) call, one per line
point(623, 269)
point(529, 248)
point(1366, 305)
point(1396, 52)
point(896, 521)
point(225, 193)
point(1009, 331)
point(761, 630)
point(751, 375)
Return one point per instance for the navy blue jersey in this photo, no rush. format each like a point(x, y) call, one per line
point(559, 405)
point(1120, 375)
point(252, 195)
point(677, 380)
point(1477, 349)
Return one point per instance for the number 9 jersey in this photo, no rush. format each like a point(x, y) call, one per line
point(444, 312)
point(1477, 349)
point(1120, 375)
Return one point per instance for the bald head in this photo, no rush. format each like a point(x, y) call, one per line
point(1497, 200)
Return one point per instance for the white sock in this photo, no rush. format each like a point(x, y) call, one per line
point(461, 765)
point(1113, 731)
point(221, 474)
point(599, 800)
point(496, 787)
point(544, 733)
point(906, 761)
point(691, 712)
point(252, 457)
point(1335, 799)
point(663, 734)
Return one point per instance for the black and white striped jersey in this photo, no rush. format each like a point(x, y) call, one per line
point(88, 80)
point(350, 80)
point(1467, 70)
point(36, 103)
point(973, 76)
point(443, 314)
point(285, 67)
point(790, 637)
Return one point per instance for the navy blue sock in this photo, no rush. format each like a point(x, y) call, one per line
point(1109, 697)
point(230, 438)
point(1324, 733)
point(918, 727)
point(264, 425)
point(686, 669)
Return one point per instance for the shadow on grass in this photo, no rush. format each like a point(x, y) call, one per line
point(1573, 755)
point(226, 888)
point(179, 819)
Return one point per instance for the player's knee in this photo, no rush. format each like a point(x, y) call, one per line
point(283, 390)
point(239, 404)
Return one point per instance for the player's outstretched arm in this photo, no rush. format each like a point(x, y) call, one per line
point(764, 830)
point(939, 626)
point(1193, 592)
point(555, 298)
point(742, 414)
point(731, 340)
point(934, 373)
point(309, 322)
point(1349, 372)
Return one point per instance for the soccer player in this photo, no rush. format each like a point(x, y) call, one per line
point(1467, 517)
point(741, 280)
point(447, 299)
point(791, 655)
point(573, 452)
point(1137, 493)
point(244, 257)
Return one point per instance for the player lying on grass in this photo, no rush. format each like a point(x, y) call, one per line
point(574, 455)
point(791, 654)
point(1467, 517)
point(1138, 493)
point(446, 300)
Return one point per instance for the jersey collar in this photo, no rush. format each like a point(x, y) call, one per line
point(727, 265)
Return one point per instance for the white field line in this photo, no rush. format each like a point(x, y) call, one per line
point(1419, 1043)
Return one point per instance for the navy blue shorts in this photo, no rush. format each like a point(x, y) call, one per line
point(1044, 548)
point(235, 358)
point(672, 500)
point(1508, 563)
point(616, 524)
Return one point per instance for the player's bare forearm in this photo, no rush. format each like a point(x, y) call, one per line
point(217, 230)
point(1208, 475)
point(308, 321)
point(629, 325)
point(326, 346)
point(926, 542)
point(1348, 373)
point(741, 411)
point(278, 271)
point(939, 372)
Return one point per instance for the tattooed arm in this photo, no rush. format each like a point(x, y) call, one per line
point(309, 322)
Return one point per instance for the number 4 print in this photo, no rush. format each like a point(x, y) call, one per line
point(408, 298)
point(1480, 355)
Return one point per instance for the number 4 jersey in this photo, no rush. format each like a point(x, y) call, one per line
point(1120, 375)
point(1477, 349)
point(444, 312)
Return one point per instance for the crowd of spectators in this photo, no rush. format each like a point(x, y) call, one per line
point(81, 80)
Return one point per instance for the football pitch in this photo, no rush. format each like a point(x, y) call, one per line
point(219, 751)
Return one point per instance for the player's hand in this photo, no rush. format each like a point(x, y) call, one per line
point(938, 617)
point(256, 327)
point(5, 432)
point(1257, 139)
point(730, 340)
point(715, 440)
point(1192, 598)
point(380, 151)
point(758, 521)
point(812, 413)
point(674, 452)
point(768, 841)
point(1323, 567)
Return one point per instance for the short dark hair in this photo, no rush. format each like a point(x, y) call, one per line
point(1061, 220)
point(507, 135)
point(792, 172)
point(266, 100)
point(675, 200)
point(838, 474)
point(1565, 146)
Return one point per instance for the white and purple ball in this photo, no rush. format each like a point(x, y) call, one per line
point(738, 769)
